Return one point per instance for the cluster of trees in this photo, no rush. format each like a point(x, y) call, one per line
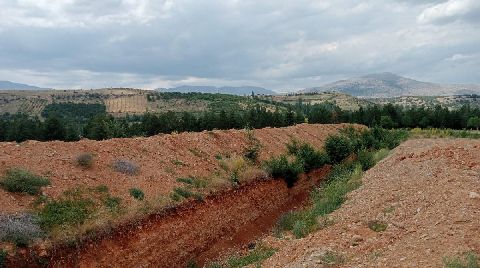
point(71, 122)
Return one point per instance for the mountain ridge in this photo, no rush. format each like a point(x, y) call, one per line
point(8, 85)
point(389, 85)
point(239, 90)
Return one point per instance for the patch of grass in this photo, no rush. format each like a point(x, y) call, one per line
point(467, 260)
point(73, 211)
point(377, 226)
point(126, 167)
point(179, 193)
point(194, 182)
point(444, 133)
point(22, 181)
point(252, 150)
point(136, 193)
point(196, 152)
point(388, 210)
point(112, 203)
point(218, 157)
point(366, 159)
point(177, 162)
point(256, 256)
point(101, 189)
point(85, 160)
point(301, 222)
point(281, 167)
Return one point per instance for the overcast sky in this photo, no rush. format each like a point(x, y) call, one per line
point(282, 45)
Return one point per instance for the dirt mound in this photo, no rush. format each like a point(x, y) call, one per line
point(426, 195)
point(162, 159)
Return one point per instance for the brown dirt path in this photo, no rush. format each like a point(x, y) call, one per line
point(427, 191)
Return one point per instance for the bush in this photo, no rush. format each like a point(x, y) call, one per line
point(338, 147)
point(85, 160)
point(65, 212)
point(126, 167)
point(252, 151)
point(22, 181)
point(256, 256)
point(311, 158)
point(300, 222)
point(137, 193)
point(366, 159)
point(20, 229)
point(112, 203)
point(283, 168)
point(179, 193)
point(377, 226)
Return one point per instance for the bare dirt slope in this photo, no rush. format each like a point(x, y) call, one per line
point(427, 192)
point(162, 159)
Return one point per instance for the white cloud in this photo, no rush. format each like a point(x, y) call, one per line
point(449, 11)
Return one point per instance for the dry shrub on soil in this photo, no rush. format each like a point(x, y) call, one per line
point(85, 160)
point(467, 260)
point(19, 229)
point(126, 166)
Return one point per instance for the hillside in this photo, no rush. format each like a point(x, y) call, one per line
point(451, 102)
point(427, 195)
point(122, 101)
point(241, 91)
point(7, 85)
point(344, 101)
point(391, 85)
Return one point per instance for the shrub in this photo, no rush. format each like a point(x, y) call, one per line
point(20, 229)
point(311, 158)
point(366, 159)
point(137, 193)
point(112, 203)
point(255, 256)
point(281, 167)
point(179, 193)
point(22, 181)
point(126, 167)
point(196, 183)
point(85, 160)
point(102, 188)
point(338, 147)
point(300, 222)
point(252, 151)
point(65, 212)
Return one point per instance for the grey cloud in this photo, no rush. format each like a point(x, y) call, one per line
point(277, 44)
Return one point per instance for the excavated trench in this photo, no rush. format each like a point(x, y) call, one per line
point(199, 231)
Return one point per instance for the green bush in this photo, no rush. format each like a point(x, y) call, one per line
point(179, 193)
point(311, 158)
point(338, 147)
point(468, 260)
point(22, 181)
point(137, 193)
point(366, 159)
point(300, 222)
point(112, 203)
point(85, 160)
point(65, 212)
point(281, 167)
point(252, 150)
point(256, 256)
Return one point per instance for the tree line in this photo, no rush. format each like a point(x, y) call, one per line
point(83, 122)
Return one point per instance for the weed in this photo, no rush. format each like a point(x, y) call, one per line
point(136, 193)
point(101, 189)
point(256, 256)
point(299, 222)
point(196, 183)
point(126, 167)
point(85, 160)
point(281, 167)
point(22, 181)
point(112, 203)
point(307, 155)
point(332, 258)
point(468, 260)
point(20, 229)
point(179, 193)
point(177, 162)
point(196, 152)
point(377, 226)
point(388, 210)
point(192, 264)
point(218, 157)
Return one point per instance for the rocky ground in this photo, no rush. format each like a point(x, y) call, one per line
point(427, 193)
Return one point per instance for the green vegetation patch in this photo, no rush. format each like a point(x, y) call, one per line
point(137, 193)
point(284, 168)
point(377, 226)
point(22, 181)
point(3, 258)
point(85, 160)
point(255, 256)
point(467, 260)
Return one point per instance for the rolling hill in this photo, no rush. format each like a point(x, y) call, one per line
point(388, 85)
point(243, 90)
point(7, 85)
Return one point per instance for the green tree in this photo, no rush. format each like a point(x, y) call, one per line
point(54, 129)
point(473, 122)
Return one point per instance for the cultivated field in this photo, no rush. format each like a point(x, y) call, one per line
point(427, 196)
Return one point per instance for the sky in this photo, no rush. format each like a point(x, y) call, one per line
point(280, 45)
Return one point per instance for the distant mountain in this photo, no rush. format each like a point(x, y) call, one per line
point(243, 90)
point(391, 85)
point(7, 85)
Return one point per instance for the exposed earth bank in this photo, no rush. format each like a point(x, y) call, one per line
point(427, 192)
